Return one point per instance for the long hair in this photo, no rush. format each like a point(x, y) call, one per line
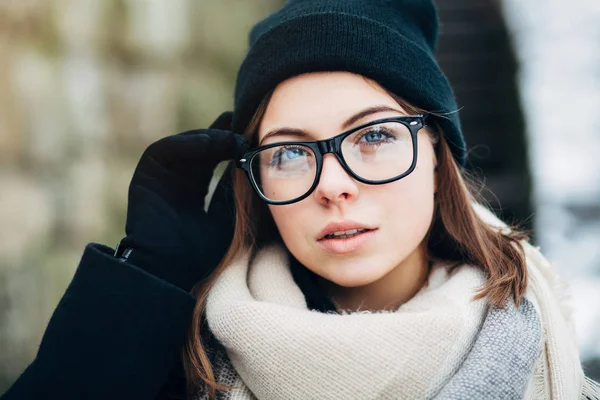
point(456, 235)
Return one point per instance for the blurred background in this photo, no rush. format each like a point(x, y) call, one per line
point(87, 85)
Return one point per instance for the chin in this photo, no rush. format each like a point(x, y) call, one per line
point(359, 274)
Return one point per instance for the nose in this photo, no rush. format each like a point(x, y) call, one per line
point(335, 184)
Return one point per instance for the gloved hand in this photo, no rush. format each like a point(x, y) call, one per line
point(169, 233)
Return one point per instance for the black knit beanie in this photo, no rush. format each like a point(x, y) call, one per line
point(389, 41)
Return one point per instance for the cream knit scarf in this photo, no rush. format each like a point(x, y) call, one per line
point(440, 344)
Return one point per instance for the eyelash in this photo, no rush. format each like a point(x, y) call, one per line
point(385, 132)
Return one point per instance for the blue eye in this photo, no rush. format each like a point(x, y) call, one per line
point(288, 155)
point(376, 136)
point(293, 153)
point(372, 136)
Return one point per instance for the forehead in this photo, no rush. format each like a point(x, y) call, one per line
point(320, 102)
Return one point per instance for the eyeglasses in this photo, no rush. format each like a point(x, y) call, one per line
point(378, 152)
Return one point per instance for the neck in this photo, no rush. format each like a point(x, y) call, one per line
point(386, 294)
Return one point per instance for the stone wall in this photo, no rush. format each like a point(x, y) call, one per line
point(85, 86)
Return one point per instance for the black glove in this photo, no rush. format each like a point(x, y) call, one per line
point(168, 232)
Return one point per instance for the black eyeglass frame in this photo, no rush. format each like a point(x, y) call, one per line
point(414, 123)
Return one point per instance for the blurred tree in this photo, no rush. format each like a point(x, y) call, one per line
point(475, 53)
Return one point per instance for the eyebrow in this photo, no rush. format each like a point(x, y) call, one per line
point(347, 123)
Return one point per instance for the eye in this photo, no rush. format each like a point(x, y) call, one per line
point(372, 136)
point(293, 152)
point(287, 154)
point(375, 136)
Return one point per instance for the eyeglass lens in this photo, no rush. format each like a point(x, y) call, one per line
point(376, 153)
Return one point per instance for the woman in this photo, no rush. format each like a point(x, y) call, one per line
point(359, 210)
point(360, 265)
point(380, 260)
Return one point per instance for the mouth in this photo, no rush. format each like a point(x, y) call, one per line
point(345, 234)
point(342, 242)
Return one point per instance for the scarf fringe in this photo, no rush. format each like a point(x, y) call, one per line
point(540, 377)
point(590, 389)
point(559, 286)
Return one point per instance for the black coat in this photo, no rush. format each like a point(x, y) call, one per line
point(117, 333)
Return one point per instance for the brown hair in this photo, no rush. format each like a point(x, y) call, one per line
point(456, 234)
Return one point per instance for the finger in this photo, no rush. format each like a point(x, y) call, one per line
point(207, 144)
point(226, 144)
point(173, 148)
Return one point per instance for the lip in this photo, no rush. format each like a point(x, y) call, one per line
point(340, 226)
point(348, 245)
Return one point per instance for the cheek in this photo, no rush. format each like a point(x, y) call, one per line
point(416, 190)
point(410, 205)
point(292, 223)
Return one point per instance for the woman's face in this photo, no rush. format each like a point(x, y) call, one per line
point(398, 213)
